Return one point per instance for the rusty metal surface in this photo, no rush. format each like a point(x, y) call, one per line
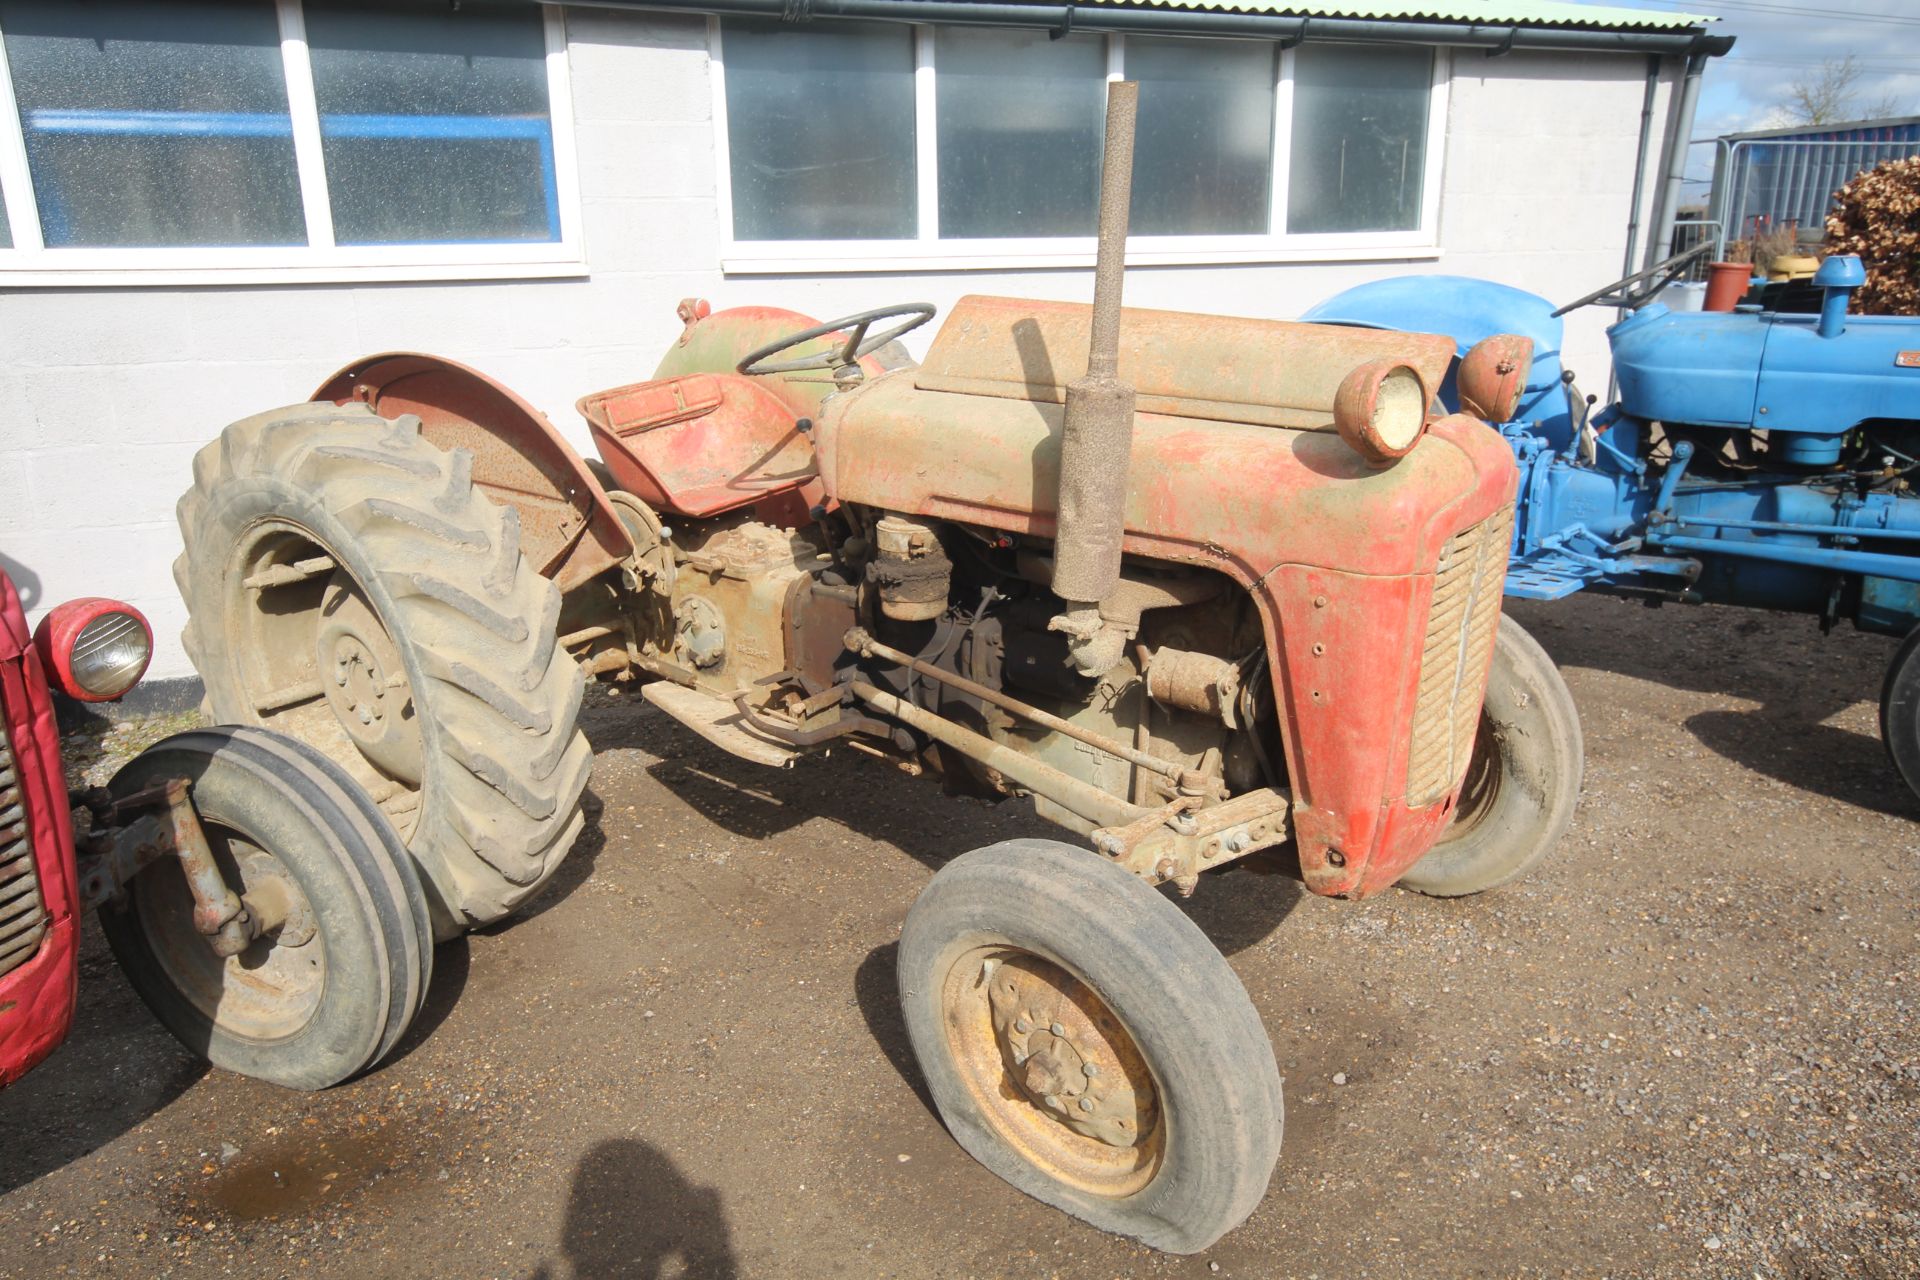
point(567, 529)
point(699, 444)
point(1461, 619)
point(714, 341)
point(1292, 516)
point(1198, 682)
point(1493, 376)
point(867, 647)
point(1098, 807)
point(1097, 426)
point(1053, 1069)
point(1380, 410)
point(1222, 368)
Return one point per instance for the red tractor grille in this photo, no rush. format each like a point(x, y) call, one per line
point(23, 912)
point(1453, 664)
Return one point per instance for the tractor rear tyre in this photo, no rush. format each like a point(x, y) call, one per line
point(1082, 1039)
point(328, 992)
point(1523, 781)
point(1900, 711)
point(348, 586)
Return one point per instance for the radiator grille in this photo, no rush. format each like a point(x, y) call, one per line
point(1453, 663)
point(23, 913)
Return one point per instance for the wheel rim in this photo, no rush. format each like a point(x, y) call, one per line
point(1054, 1070)
point(1480, 789)
point(315, 660)
point(271, 990)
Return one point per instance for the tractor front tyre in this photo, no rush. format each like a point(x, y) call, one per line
point(330, 988)
point(1900, 711)
point(1083, 1040)
point(1523, 781)
point(347, 585)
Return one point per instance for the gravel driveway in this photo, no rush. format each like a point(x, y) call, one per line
point(1684, 1047)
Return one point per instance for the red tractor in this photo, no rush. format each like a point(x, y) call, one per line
point(220, 860)
point(1197, 586)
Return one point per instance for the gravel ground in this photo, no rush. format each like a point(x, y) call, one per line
point(1682, 1048)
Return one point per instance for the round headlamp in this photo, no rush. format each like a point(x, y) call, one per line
point(1380, 410)
point(94, 649)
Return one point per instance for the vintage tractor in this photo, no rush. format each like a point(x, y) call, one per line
point(1754, 457)
point(1198, 586)
point(254, 896)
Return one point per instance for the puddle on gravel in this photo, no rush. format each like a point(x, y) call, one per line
point(296, 1174)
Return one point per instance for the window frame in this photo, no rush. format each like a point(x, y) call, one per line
point(29, 263)
point(928, 252)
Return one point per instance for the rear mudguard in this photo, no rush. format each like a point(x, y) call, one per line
point(568, 529)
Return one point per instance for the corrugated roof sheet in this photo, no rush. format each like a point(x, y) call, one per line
point(1526, 13)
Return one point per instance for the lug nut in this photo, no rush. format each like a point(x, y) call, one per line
point(1057, 1029)
point(1086, 1104)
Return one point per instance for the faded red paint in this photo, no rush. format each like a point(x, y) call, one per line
point(1492, 376)
point(36, 999)
point(567, 527)
point(1292, 515)
point(699, 444)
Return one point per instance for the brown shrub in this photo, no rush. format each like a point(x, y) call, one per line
point(1877, 216)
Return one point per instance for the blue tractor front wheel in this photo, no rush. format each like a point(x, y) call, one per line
point(1900, 711)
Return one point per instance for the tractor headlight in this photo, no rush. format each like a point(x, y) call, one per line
point(1381, 411)
point(94, 649)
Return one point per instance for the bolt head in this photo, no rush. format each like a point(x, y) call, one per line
point(1090, 1070)
point(1086, 1104)
point(1022, 1025)
point(1057, 1029)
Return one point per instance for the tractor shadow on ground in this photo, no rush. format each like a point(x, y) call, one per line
point(877, 992)
point(117, 1069)
point(451, 962)
point(632, 1215)
point(870, 797)
point(1798, 677)
point(1236, 908)
point(574, 870)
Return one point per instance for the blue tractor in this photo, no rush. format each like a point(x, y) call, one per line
point(1754, 457)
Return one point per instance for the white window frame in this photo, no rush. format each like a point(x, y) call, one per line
point(29, 263)
point(928, 252)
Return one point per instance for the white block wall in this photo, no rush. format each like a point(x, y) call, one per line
point(105, 394)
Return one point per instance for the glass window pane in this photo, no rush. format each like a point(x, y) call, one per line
point(151, 124)
point(1203, 148)
point(820, 131)
point(6, 229)
point(1020, 121)
point(1359, 138)
point(434, 121)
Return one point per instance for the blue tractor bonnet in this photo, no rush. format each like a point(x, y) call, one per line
point(1467, 310)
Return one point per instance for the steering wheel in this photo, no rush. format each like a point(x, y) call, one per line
point(1637, 290)
point(859, 342)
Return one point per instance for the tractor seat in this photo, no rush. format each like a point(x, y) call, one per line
point(699, 444)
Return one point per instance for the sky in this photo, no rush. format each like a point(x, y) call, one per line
point(1780, 41)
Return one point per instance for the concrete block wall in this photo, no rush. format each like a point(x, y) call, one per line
point(105, 394)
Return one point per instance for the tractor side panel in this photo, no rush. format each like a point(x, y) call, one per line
point(568, 529)
point(1341, 560)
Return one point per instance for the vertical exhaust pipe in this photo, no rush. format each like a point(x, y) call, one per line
point(1096, 445)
